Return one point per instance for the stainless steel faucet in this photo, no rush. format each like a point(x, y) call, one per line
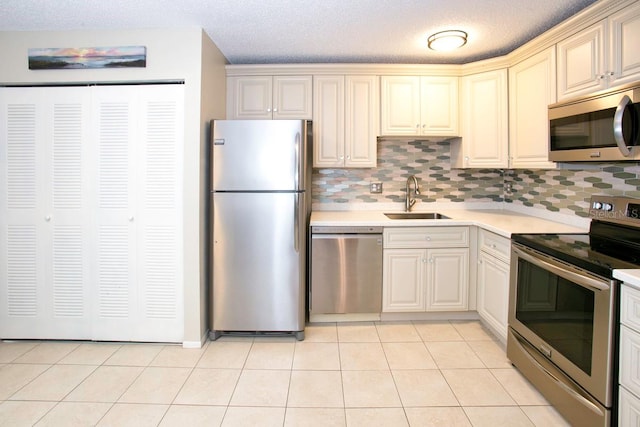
point(409, 202)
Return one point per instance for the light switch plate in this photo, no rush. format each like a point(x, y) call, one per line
point(375, 187)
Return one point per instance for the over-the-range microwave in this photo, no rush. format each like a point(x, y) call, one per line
point(604, 127)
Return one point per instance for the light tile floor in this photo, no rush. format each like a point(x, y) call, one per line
point(347, 374)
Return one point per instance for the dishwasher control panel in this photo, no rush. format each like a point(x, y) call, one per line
point(340, 229)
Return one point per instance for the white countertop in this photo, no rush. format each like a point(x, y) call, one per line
point(629, 276)
point(502, 222)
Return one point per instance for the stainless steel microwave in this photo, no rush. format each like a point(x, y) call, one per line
point(603, 127)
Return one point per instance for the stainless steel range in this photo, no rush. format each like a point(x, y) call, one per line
point(563, 309)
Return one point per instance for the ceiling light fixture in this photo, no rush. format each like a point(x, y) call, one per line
point(447, 40)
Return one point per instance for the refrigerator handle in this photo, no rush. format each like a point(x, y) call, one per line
point(296, 223)
point(297, 164)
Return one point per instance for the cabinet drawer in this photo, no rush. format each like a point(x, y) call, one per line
point(628, 409)
point(630, 359)
point(426, 237)
point(630, 307)
point(493, 244)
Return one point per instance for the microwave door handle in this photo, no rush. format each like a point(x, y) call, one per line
point(579, 279)
point(617, 125)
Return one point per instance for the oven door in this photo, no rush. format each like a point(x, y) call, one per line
point(568, 315)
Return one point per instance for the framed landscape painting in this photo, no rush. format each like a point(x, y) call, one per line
point(87, 57)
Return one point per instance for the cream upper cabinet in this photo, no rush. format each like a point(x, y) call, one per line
point(532, 87)
point(269, 97)
point(419, 105)
point(345, 121)
point(484, 114)
point(624, 35)
point(600, 56)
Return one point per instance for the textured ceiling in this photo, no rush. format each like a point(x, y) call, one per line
point(293, 31)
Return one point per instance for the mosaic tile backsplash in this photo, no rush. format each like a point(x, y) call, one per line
point(565, 191)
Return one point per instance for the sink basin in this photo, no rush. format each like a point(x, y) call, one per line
point(415, 215)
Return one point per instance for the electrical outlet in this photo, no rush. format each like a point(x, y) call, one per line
point(375, 187)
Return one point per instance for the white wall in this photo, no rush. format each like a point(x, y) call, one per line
point(172, 54)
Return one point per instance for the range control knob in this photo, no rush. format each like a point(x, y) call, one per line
point(597, 205)
point(607, 207)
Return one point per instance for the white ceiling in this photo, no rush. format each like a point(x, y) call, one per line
point(294, 31)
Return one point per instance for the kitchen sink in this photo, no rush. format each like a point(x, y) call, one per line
point(415, 215)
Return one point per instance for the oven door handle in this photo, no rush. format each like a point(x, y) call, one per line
point(579, 279)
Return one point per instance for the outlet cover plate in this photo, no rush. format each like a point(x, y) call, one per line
point(375, 187)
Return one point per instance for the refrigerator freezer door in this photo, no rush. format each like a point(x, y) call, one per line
point(259, 260)
point(260, 155)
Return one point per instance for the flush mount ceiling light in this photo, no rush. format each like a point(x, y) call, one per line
point(447, 40)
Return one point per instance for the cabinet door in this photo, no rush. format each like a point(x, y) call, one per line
point(532, 87)
point(292, 97)
point(628, 408)
point(582, 62)
point(44, 217)
point(249, 97)
point(493, 293)
point(439, 106)
point(448, 279)
point(624, 30)
point(138, 292)
point(485, 134)
point(362, 103)
point(328, 121)
point(403, 285)
point(400, 105)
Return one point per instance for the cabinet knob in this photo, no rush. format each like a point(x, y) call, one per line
point(47, 218)
point(348, 157)
point(428, 238)
point(418, 125)
point(275, 110)
point(268, 110)
point(131, 219)
point(341, 157)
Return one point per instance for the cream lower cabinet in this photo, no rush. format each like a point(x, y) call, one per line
point(493, 281)
point(425, 269)
point(629, 377)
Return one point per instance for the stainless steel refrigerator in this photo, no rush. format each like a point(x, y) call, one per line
point(261, 190)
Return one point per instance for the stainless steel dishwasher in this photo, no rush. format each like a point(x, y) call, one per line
point(346, 270)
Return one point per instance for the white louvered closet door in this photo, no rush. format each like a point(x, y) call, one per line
point(90, 213)
point(45, 222)
point(138, 181)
